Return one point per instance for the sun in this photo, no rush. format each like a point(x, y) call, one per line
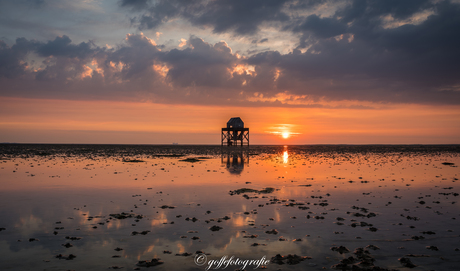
point(285, 134)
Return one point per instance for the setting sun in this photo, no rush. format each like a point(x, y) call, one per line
point(285, 134)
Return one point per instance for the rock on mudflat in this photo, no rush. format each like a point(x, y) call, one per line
point(288, 259)
point(372, 247)
point(142, 232)
point(124, 215)
point(153, 262)
point(215, 228)
point(406, 262)
point(72, 238)
point(66, 257)
point(257, 244)
point(273, 231)
point(340, 249)
point(167, 207)
point(435, 248)
point(185, 254)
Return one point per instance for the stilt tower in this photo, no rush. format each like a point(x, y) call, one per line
point(235, 134)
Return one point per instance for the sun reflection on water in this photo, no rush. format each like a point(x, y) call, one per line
point(285, 157)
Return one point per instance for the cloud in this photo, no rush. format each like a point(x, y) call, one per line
point(263, 40)
point(11, 65)
point(239, 16)
point(134, 4)
point(61, 46)
point(29, 3)
point(321, 27)
point(349, 55)
point(365, 11)
point(201, 64)
point(242, 17)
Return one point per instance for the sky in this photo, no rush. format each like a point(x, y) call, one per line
point(296, 72)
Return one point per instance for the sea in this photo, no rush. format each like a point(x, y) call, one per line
point(208, 207)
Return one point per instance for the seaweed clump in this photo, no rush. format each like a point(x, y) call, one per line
point(153, 262)
point(288, 259)
point(267, 190)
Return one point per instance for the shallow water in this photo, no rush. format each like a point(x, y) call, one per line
point(401, 199)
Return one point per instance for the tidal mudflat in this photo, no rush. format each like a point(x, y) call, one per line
point(100, 207)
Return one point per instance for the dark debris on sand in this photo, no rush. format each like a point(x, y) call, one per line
point(215, 228)
point(124, 215)
point(288, 259)
point(193, 159)
point(153, 262)
point(406, 262)
point(340, 249)
point(66, 257)
point(362, 261)
point(267, 190)
point(133, 161)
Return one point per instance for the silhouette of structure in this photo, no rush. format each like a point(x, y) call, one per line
point(234, 161)
point(235, 134)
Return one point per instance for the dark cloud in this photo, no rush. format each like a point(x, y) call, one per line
point(366, 60)
point(239, 16)
point(26, 3)
point(259, 41)
point(321, 27)
point(13, 59)
point(352, 55)
point(263, 40)
point(201, 64)
point(159, 12)
point(11, 64)
point(135, 4)
point(61, 46)
point(365, 11)
point(137, 57)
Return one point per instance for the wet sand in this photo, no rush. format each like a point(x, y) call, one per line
point(99, 207)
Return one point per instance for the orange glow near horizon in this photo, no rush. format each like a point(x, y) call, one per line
point(114, 122)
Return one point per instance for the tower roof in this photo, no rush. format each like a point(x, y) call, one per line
point(235, 123)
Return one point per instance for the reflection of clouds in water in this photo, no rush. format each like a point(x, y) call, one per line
point(180, 247)
point(244, 207)
point(149, 249)
point(277, 215)
point(159, 220)
point(114, 224)
point(29, 225)
point(146, 249)
point(241, 220)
